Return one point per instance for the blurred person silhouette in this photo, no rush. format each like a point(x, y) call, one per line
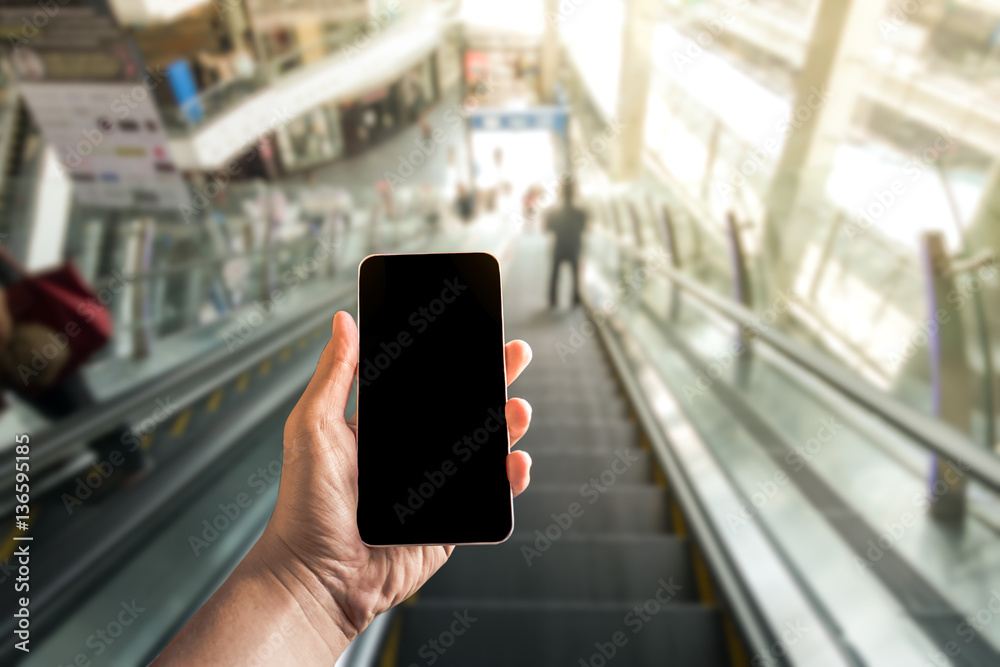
point(430, 208)
point(567, 222)
point(313, 204)
point(242, 65)
point(309, 575)
point(56, 389)
point(425, 126)
point(497, 186)
point(489, 177)
point(530, 204)
point(465, 203)
point(451, 177)
point(343, 205)
point(386, 198)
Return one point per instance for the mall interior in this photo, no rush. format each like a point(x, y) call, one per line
point(765, 433)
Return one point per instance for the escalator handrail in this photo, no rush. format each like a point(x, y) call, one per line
point(934, 435)
point(748, 605)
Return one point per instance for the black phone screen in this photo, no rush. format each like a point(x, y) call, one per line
point(432, 437)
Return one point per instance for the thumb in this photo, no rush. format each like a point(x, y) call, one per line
point(330, 386)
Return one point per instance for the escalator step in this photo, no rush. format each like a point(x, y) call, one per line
point(577, 410)
point(604, 436)
point(538, 388)
point(621, 509)
point(570, 567)
point(545, 364)
point(568, 464)
point(553, 373)
point(558, 635)
point(571, 391)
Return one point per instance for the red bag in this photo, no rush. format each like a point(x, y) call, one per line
point(61, 301)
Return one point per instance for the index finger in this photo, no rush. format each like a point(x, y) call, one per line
point(517, 355)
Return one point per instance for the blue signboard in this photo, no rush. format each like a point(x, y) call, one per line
point(553, 119)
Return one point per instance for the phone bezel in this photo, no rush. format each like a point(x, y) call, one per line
point(503, 335)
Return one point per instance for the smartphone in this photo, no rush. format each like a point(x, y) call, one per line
point(432, 386)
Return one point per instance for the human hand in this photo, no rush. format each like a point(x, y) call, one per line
point(313, 534)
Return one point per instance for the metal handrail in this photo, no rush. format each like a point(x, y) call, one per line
point(940, 438)
point(745, 605)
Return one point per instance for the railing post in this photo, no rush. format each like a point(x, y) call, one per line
point(670, 236)
point(742, 294)
point(269, 271)
point(142, 296)
point(713, 149)
point(950, 377)
point(738, 264)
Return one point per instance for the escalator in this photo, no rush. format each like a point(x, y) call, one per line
point(597, 567)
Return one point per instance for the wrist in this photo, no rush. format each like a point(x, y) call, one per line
point(318, 607)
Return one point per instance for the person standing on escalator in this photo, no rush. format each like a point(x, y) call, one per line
point(567, 222)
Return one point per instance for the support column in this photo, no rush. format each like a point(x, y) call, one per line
point(984, 232)
point(236, 23)
point(950, 376)
point(633, 86)
point(827, 88)
point(550, 54)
